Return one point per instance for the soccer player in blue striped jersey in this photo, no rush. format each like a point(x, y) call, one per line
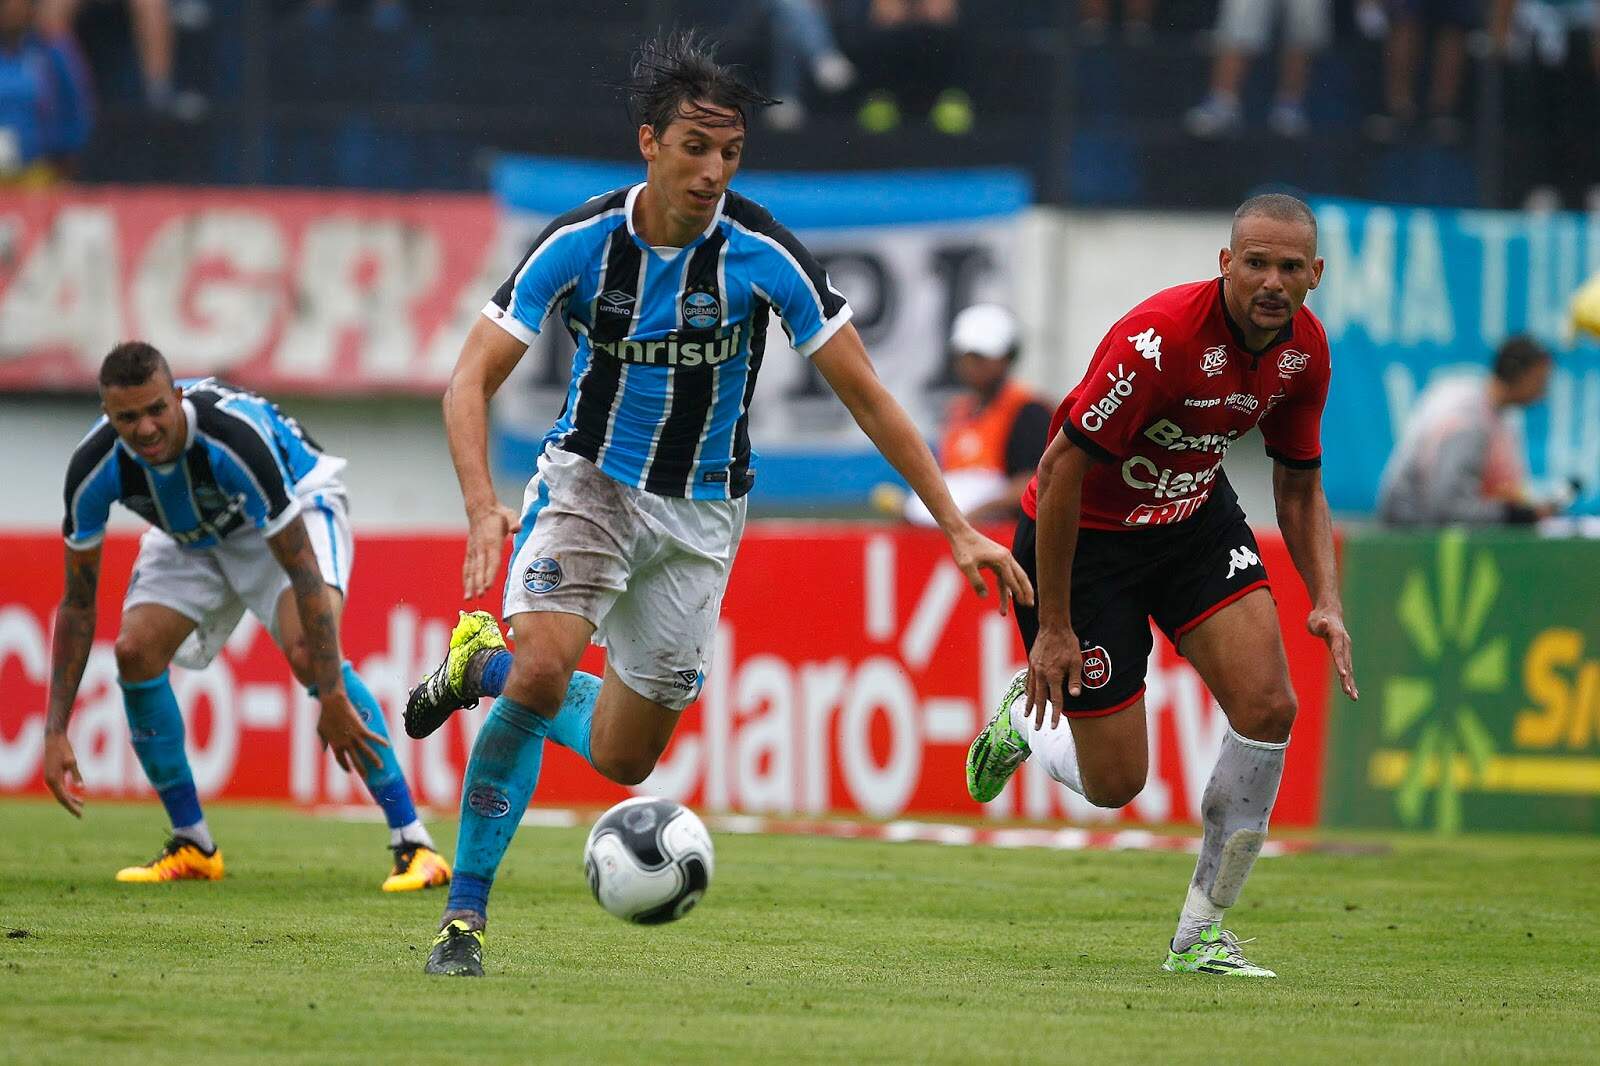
point(630, 524)
point(247, 512)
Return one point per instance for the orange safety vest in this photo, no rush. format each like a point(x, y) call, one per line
point(976, 439)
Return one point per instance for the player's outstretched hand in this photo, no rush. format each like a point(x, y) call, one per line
point(341, 729)
point(487, 531)
point(1056, 658)
point(1329, 625)
point(974, 553)
point(61, 773)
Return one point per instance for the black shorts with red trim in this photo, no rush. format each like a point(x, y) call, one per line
point(1178, 575)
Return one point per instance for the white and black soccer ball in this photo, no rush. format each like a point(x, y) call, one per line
point(648, 860)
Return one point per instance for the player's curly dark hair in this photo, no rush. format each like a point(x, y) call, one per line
point(132, 363)
point(675, 73)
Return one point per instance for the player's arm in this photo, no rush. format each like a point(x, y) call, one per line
point(1056, 660)
point(1307, 528)
point(842, 361)
point(339, 724)
point(69, 653)
point(488, 356)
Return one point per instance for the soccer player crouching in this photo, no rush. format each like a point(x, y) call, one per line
point(1132, 518)
point(248, 513)
point(629, 527)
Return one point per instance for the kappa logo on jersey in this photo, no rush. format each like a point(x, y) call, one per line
point(1094, 419)
point(542, 575)
point(1212, 402)
point(1170, 436)
point(701, 310)
point(1214, 360)
point(1096, 671)
point(1166, 483)
point(1292, 362)
point(616, 302)
point(1148, 344)
point(1242, 401)
point(1241, 558)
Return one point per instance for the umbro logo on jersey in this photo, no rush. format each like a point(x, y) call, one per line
point(1213, 360)
point(1148, 344)
point(616, 302)
point(1241, 558)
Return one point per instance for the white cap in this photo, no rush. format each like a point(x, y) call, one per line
point(984, 329)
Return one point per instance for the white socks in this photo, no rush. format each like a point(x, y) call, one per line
point(415, 833)
point(198, 833)
point(1053, 748)
point(1237, 802)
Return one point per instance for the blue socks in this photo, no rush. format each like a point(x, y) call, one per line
point(494, 794)
point(571, 725)
point(156, 729)
point(495, 672)
point(385, 781)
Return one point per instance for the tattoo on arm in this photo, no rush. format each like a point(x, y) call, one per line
point(317, 619)
point(74, 636)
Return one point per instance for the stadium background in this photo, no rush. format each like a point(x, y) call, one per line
point(343, 185)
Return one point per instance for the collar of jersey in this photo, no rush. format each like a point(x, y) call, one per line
point(188, 442)
point(1283, 336)
point(627, 214)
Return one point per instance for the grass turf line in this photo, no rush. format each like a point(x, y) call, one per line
point(804, 951)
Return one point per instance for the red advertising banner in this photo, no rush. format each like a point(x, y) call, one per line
point(280, 289)
point(852, 668)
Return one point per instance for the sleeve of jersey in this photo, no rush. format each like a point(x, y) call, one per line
point(547, 273)
point(247, 464)
point(1292, 430)
point(789, 276)
point(91, 485)
point(1124, 386)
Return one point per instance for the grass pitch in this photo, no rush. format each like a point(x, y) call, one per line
point(804, 951)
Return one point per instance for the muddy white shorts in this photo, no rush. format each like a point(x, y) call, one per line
point(647, 571)
point(214, 586)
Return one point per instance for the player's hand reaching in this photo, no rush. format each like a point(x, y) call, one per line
point(61, 773)
point(341, 729)
point(1054, 664)
point(487, 530)
point(974, 553)
point(1328, 624)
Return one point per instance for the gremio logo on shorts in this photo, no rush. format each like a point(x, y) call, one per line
point(717, 349)
point(542, 575)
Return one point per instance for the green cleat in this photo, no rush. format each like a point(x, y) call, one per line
point(1216, 952)
point(457, 951)
point(999, 749)
point(447, 690)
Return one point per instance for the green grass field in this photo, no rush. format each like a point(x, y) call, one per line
point(805, 950)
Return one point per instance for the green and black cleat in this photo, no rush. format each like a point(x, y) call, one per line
point(457, 951)
point(448, 689)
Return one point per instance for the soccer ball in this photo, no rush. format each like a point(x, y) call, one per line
point(648, 860)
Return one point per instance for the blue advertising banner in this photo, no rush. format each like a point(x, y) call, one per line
point(908, 249)
point(1412, 293)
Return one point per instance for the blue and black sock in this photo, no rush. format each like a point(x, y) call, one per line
point(385, 781)
point(500, 779)
point(155, 725)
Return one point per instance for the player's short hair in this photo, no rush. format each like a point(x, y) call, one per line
point(1518, 355)
point(1278, 206)
point(675, 72)
point(132, 363)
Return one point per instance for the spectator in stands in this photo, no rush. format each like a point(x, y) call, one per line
point(1094, 21)
point(152, 38)
point(802, 41)
point(45, 110)
point(1552, 100)
point(1458, 460)
point(1408, 23)
point(1243, 27)
point(915, 55)
point(994, 431)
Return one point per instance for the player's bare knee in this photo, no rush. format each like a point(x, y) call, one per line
point(625, 768)
point(1112, 794)
point(538, 683)
point(1270, 718)
point(136, 659)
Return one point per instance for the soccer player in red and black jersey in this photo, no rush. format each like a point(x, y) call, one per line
point(1132, 518)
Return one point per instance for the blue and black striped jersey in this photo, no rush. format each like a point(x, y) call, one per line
point(668, 345)
point(244, 462)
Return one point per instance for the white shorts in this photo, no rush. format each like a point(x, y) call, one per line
point(213, 586)
point(1247, 24)
point(647, 571)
